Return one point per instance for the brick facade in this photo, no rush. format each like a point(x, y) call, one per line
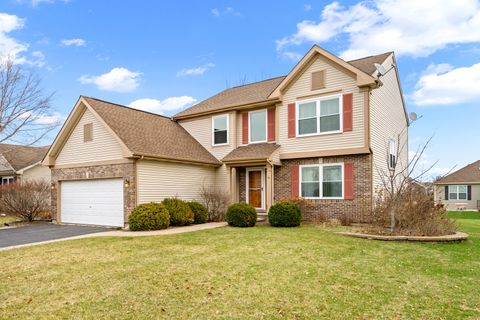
point(242, 185)
point(124, 171)
point(317, 210)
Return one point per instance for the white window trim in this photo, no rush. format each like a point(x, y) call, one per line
point(458, 192)
point(262, 169)
point(228, 130)
point(320, 177)
point(390, 141)
point(250, 126)
point(317, 101)
point(7, 179)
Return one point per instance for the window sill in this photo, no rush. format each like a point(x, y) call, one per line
point(318, 134)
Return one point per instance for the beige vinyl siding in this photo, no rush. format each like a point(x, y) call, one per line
point(439, 196)
point(387, 121)
point(201, 129)
point(157, 180)
point(103, 147)
point(335, 79)
point(37, 172)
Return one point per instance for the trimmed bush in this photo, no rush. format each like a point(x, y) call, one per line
point(199, 212)
point(149, 216)
point(241, 215)
point(179, 210)
point(284, 214)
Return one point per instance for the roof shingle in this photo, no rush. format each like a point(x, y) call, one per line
point(469, 173)
point(20, 157)
point(148, 134)
point(260, 91)
point(259, 151)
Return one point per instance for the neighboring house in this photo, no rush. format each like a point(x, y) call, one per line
point(22, 163)
point(321, 132)
point(460, 190)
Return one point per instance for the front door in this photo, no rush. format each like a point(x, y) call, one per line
point(255, 188)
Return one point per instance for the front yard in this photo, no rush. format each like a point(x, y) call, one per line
point(259, 272)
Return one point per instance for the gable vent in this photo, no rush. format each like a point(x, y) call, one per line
point(318, 80)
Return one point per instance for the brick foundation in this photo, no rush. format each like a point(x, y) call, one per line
point(124, 171)
point(358, 208)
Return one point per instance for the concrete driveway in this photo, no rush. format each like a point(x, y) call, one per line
point(43, 232)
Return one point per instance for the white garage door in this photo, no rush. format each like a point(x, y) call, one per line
point(98, 202)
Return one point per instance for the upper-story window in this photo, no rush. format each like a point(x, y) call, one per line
point(257, 126)
point(220, 130)
point(319, 116)
point(392, 154)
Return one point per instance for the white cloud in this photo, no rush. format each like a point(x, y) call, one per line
point(43, 119)
point(74, 42)
point(293, 56)
point(409, 27)
point(443, 85)
point(161, 106)
point(35, 3)
point(195, 71)
point(307, 7)
point(117, 79)
point(224, 12)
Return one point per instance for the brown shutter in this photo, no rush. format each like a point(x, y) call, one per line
point(291, 120)
point(446, 192)
point(348, 181)
point(469, 192)
point(271, 124)
point(318, 80)
point(295, 181)
point(245, 128)
point(347, 112)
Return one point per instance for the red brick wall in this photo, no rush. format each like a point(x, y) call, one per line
point(358, 208)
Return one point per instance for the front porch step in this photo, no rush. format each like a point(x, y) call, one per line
point(262, 217)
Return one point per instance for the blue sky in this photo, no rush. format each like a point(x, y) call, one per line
point(174, 53)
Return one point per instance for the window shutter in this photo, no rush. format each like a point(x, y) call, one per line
point(245, 128)
point(291, 120)
point(347, 112)
point(348, 181)
point(469, 192)
point(271, 124)
point(446, 192)
point(295, 181)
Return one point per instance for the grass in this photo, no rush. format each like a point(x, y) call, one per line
point(6, 219)
point(261, 272)
point(464, 214)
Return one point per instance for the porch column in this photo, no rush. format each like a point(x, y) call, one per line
point(269, 187)
point(233, 185)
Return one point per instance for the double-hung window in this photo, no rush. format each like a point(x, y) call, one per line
point(321, 181)
point(319, 116)
point(8, 180)
point(457, 192)
point(220, 130)
point(257, 126)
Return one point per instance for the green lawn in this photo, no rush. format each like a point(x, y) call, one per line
point(260, 272)
point(6, 219)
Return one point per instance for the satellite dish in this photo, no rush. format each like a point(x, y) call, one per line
point(413, 116)
point(380, 69)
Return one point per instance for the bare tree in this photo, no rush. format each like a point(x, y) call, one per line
point(26, 200)
point(25, 111)
point(398, 173)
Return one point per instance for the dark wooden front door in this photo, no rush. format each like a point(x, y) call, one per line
point(255, 188)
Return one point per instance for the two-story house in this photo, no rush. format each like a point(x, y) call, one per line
point(324, 132)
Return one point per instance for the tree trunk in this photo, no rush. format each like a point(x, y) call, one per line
point(392, 220)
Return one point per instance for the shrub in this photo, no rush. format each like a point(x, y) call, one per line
point(180, 212)
point(415, 214)
point(284, 214)
point(26, 200)
point(199, 212)
point(241, 215)
point(216, 201)
point(149, 216)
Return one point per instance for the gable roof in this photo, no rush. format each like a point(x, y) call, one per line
point(261, 91)
point(467, 174)
point(141, 133)
point(20, 157)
